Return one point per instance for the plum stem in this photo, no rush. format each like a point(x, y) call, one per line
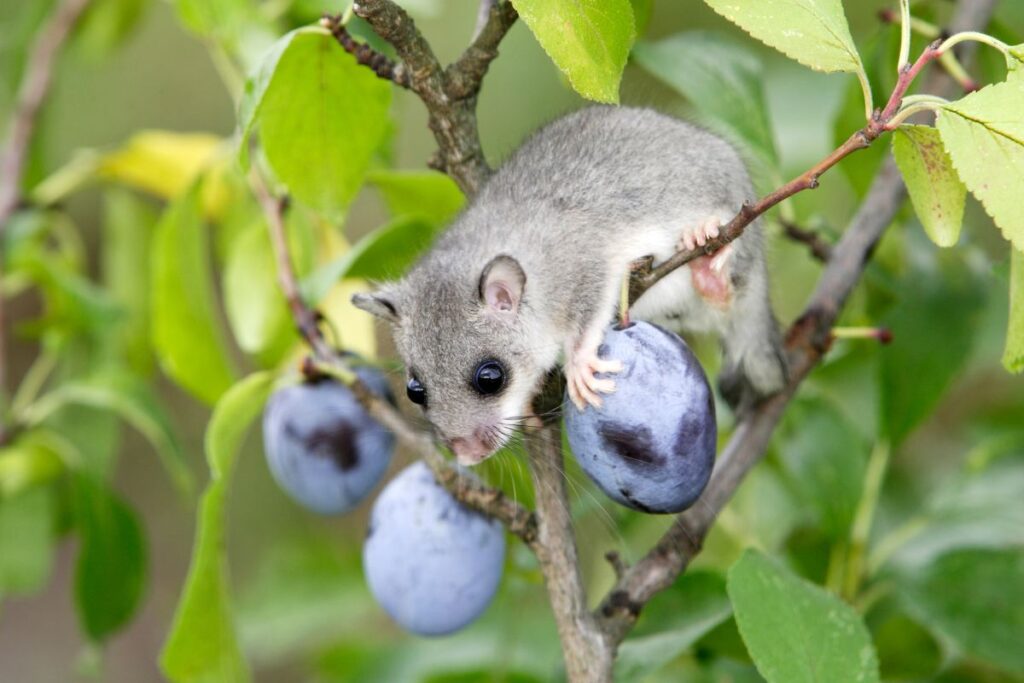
point(881, 334)
point(624, 302)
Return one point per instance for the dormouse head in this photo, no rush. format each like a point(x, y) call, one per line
point(473, 347)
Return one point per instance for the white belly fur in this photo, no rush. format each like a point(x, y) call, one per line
point(673, 301)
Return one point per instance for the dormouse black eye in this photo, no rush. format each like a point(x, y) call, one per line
point(416, 392)
point(489, 377)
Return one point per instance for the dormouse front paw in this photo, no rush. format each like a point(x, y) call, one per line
point(582, 384)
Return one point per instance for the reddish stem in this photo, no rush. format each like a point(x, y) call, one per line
point(643, 280)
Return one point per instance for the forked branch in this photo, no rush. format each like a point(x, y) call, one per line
point(449, 94)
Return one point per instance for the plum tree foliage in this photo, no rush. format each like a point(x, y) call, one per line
point(846, 554)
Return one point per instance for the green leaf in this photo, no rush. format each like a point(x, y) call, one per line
point(482, 675)
point(825, 458)
point(642, 10)
point(724, 83)
point(71, 299)
point(203, 645)
point(934, 187)
point(975, 598)
point(130, 399)
point(429, 195)
point(321, 116)
point(698, 604)
point(256, 86)
point(588, 40)
point(906, 650)
point(984, 135)
point(213, 18)
point(913, 382)
point(813, 32)
point(106, 23)
point(764, 511)
point(384, 254)
point(795, 630)
point(26, 541)
point(1015, 64)
point(111, 570)
point(302, 593)
point(186, 336)
point(972, 510)
point(1013, 355)
point(28, 462)
point(127, 233)
point(255, 307)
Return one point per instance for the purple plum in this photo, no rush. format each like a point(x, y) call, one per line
point(651, 446)
point(433, 564)
point(322, 447)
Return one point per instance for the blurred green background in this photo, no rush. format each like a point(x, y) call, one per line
point(304, 611)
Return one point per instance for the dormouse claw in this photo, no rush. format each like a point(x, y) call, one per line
point(700, 235)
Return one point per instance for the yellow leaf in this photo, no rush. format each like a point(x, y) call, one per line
point(355, 327)
point(162, 163)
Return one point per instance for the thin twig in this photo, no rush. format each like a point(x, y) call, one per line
point(379, 63)
point(464, 76)
point(619, 565)
point(818, 246)
point(749, 212)
point(306, 319)
point(948, 60)
point(35, 86)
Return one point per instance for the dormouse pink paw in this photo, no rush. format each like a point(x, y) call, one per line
point(700, 235)
point(583, 386)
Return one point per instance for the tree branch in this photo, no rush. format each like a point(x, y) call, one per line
point(643, 279)
point(819, 247)
point(380, 64)
point(34, 87)
point(450, 94)
point(466, 74)
point(465, 487)
point(586, 653)
point(806, 341)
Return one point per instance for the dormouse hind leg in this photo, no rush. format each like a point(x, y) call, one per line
point(754, 365)
point(737, 286)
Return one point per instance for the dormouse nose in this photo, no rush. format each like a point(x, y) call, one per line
point(470, 450)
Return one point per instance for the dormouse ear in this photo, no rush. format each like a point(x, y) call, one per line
point(380, 304)
point(501, 284)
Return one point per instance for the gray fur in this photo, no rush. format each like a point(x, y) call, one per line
point(580, 200)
